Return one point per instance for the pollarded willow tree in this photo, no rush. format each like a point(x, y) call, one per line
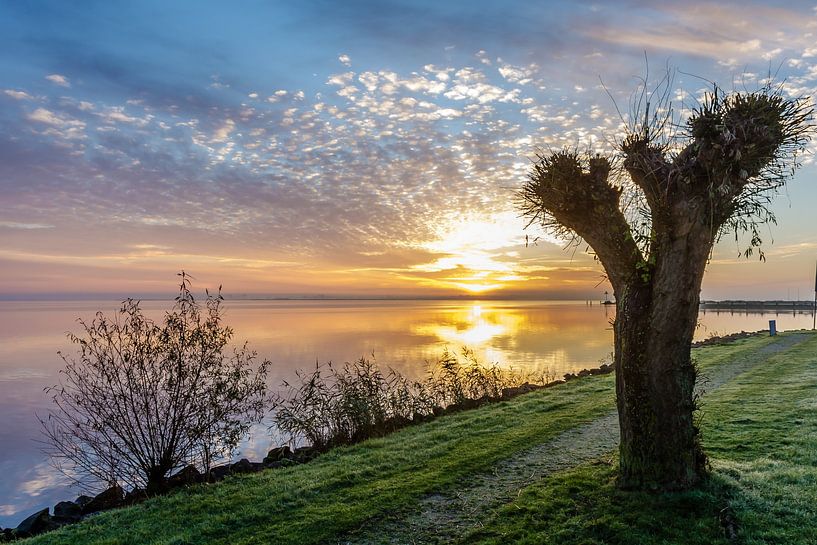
point(716, 175)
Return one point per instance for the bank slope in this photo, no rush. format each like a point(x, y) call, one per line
point(760, 431)
point(343, 495)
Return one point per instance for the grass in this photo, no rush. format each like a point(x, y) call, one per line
point(767, 451)
point(583, 506)
point(343, 489)
point(759, 429)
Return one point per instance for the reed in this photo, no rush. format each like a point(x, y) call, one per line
point(340, 405)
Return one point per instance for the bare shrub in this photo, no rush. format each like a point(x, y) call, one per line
point(142, 399)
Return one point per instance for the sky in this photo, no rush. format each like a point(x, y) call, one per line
point(356, 148)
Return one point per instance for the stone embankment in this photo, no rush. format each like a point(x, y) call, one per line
point(71, 512)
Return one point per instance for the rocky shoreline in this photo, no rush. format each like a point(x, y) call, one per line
point(71, 512)
point(722, 339)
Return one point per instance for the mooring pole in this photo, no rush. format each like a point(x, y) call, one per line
point(814, 308)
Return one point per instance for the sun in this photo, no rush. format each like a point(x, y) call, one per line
point(478, 252)
point(478, 288)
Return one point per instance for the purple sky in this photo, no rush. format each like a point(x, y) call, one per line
point(355, 148)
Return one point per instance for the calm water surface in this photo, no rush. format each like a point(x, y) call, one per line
point(538, 336)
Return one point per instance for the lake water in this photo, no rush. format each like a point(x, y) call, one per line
point(537, 336)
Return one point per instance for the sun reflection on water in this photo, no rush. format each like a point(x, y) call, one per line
point(530, 336)
point(474, 326)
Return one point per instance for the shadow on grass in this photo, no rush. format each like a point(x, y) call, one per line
point(583, 506)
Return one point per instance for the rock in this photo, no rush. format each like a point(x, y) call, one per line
point(512, 391)
point(254, 467)
point(245, 466)
point(242, 466)
point(187, 476)
point(218, 473)
point(304, 454)
point(524, 388)
point(452, 408)
point(396, 422)
point(110, 498)
point(67, 512)
point(278, 457)
point(136, 495)
point(37, 523)
point(82, 501)
point(278, 454)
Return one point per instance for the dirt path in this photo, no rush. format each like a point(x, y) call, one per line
point(441, 518)
point(714, 378)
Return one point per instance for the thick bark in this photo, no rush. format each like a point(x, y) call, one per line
point(156, 480)
point(657, 312)
point(157, 476)
point(657, 282)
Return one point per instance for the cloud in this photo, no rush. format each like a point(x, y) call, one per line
point(731, 33)
point(520, 75)
point(26, 226)
point(48, 117)
point(17, 95)
point(58, 79)
point(369, 173)
point(680, 40)
point(113, 115)
point(223, 133)
point(41, 479)
point(59, 125)
point(473, 85)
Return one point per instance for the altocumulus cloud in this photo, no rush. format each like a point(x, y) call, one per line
point(372, 162)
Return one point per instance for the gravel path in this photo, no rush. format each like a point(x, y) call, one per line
point(441, 518)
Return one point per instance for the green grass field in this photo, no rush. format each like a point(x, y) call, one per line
point(759, 429)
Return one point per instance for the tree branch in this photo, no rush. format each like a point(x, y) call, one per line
point(566, 198)
point(645, 162)
point(743, 145)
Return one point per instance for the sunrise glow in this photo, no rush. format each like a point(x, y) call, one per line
point(296, 163)
point(332, 251)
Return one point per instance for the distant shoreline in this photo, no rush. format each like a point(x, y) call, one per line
point(737, 304)
point(765, 306)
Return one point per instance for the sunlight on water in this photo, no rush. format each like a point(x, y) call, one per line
point(470, 327)
point(558, 337)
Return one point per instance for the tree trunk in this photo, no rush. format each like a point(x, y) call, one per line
point(657, 312)
point(157, 479)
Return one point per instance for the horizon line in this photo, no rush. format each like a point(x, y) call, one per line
point(58, 297)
